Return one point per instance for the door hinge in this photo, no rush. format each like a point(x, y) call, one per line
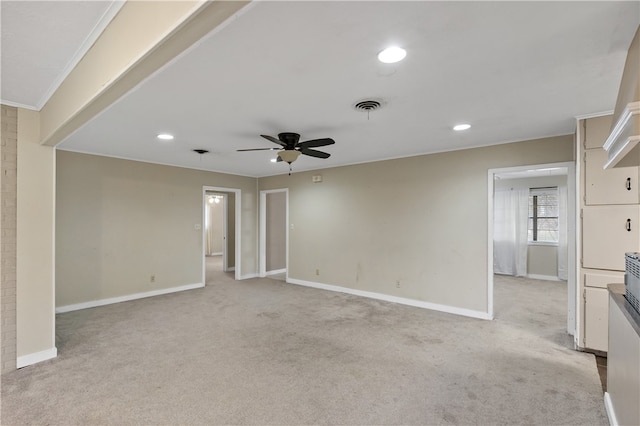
point(584, 294)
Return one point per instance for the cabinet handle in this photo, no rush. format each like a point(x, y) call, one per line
point(628, 184)
point(629, 225)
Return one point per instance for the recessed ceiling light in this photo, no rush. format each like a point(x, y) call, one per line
point(460, 127)
point(165, 137)
point(391, 55)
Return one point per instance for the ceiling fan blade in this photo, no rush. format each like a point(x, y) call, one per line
point(258, 149)
point(274, 140)
point(314, 153)
point(314, 143)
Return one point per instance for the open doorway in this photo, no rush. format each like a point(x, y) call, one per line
point(274, 233)
point(531, 251)
point(221, 230)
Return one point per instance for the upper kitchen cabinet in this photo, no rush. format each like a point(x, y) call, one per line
point(615, 186)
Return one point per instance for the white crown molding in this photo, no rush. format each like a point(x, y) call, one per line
point(126, 298)
point(36, 357)
point(394, 299)
point(624, 136)
point(18, 105)
point(594, 115)
point(91, 38)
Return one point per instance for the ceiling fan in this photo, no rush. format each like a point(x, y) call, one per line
point(291, 147)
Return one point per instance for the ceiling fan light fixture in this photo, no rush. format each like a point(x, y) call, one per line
point(392, 54)
point(289, 156)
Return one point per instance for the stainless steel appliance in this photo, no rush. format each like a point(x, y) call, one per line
point(632, 279)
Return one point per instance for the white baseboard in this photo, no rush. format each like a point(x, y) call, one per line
point(34, 358)
point(394, 299)
point(215, 254)
point(276, 271)
point(111, 300)
point(613, 421)
point(231, 269)
point(543, 277)
point(247, 276)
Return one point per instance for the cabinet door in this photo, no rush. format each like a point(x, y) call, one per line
point(608, 232)
point(596, 319)
point(601, 279)
point(597, 131)
point(613, 186)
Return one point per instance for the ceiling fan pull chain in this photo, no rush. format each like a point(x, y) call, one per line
point(289, 169)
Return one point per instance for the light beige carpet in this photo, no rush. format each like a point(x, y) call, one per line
point(265, 352)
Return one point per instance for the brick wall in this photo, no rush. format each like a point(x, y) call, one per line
point(8, 194)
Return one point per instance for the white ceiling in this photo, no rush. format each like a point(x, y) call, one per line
point(41, 43)
point(513, 70)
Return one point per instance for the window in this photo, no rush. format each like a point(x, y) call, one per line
point(543, 215)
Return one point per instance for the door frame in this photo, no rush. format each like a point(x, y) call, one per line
point(572, 249)
point(225, 232)
point(237, 249)
point(262, 268)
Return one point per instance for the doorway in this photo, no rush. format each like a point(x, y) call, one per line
point(221, 232)
point(518, 186)
point(216, 229)
point(274, 233)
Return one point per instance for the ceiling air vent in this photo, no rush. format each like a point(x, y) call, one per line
point(367, 105)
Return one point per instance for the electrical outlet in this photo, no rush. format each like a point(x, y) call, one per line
point(397, 283)
point(317, 271)
point(153, 278)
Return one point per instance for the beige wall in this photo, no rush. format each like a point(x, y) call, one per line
point(421, 221)
point(542, 260)
point(119, 222)
point(276, 231)
point(630, 84)
point(35, 238)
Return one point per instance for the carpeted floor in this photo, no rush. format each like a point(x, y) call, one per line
point(262, 351)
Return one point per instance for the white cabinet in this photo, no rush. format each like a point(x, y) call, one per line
point(596, 323)
point(613, 186)
point(596, 306)
point(601, 279)
point(610, 227)
point(608, 232)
